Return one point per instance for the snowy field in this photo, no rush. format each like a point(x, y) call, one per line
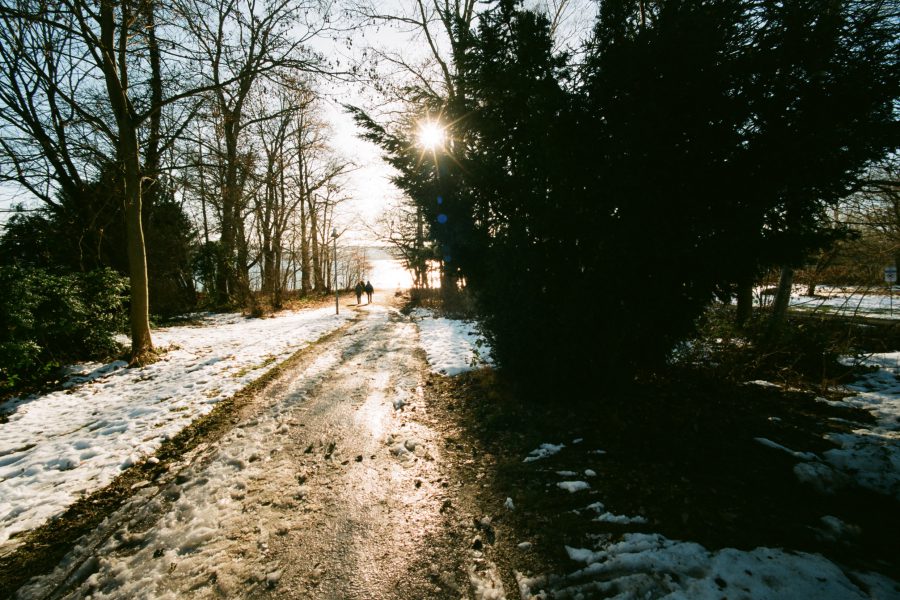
point(847, 301)
point(60, 446)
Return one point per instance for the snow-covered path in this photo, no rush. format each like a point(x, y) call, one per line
point(60, 446)
point(326, 487)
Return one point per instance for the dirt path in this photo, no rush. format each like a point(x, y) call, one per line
point(331, 484)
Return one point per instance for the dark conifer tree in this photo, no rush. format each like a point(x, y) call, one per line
point(596, 211)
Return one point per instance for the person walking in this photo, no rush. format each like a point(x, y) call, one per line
point(369, 291)
point(359, 290)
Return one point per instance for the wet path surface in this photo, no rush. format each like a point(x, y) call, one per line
point(330, 485)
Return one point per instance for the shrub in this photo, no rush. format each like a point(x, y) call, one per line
point(47, 320)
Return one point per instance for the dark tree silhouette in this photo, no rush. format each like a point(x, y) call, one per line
point(596, 209)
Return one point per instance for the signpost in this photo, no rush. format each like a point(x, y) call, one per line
point(890, 278)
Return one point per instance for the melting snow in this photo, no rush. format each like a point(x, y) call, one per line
point(452, 346)
point(573, 486)
point(543, 451)
point(652, 566)
point(59, 446)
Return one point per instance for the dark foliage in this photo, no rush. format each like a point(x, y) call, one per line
point(48, 320)
point(88, 232)
point(596, 211)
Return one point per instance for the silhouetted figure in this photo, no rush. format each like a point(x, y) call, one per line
point(369, 291)
point(359, 290)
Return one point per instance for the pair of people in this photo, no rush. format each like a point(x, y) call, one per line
point(364, 287)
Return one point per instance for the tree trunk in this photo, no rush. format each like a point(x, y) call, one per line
point(744, 301)
point(227, 284)
point(780, 306)
point(420, 271)
point(141, 341)
point(277, 240)
point(318, 284)
point(305, 263)
point(115, 74)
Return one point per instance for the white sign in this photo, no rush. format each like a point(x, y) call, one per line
point(890, 274)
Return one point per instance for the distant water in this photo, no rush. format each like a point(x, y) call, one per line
point(387, 272)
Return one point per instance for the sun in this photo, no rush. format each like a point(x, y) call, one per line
point(431, 135)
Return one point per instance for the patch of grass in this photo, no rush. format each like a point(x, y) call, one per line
point(250, 368)
point(805, 354)
point(43, 548)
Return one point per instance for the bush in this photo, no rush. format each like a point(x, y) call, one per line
point(47, 320)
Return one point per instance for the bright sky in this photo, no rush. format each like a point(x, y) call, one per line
point(368, 187)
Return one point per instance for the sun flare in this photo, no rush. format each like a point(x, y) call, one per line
point(431, 135)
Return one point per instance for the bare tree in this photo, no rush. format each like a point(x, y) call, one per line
point(246, 44)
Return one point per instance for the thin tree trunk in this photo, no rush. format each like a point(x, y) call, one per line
point(744, 301)
point(305, 264)
point(780, 306)
point(314, 247)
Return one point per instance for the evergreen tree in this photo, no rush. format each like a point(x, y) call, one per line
point(596, 210)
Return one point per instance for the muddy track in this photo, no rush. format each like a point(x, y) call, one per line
point(331, 484)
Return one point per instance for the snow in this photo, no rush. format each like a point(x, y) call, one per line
point(763, 383)
point(573, 486)
point(486, 581)
point(59, 446)
point(543, 451)
point(652, 566)
point(868, 455)
point(648, 565)
point(862, 301)
point(452, 346)
point(62, 445)
point(641, 565)
point(776, 446)
point(866, 301)
point(604, 516)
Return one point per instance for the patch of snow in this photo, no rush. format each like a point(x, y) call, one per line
point(868, 455)
point(819, 475)
point(604, 516)
point(862, 301)
point(590, 473)
point(486, 581)
point(763, 383)
point(652, 566)
point(775, 445)
point(543, 451)
point(609, 517)
point(451, 346)
point(573, 486)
